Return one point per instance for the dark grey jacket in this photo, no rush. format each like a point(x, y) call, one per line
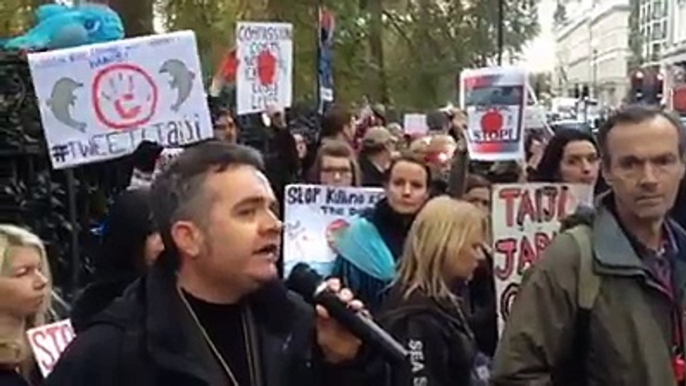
point(146, 338)
point(629, 331)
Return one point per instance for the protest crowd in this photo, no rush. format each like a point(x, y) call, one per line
point(455, 253)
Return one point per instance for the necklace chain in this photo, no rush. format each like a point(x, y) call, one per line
point(206, 336)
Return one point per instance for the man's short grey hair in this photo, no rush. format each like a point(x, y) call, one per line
point(635, 114)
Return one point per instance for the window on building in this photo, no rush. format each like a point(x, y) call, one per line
point(664, 29)
point(657, 50)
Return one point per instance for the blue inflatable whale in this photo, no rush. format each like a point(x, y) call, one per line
point(60, 26)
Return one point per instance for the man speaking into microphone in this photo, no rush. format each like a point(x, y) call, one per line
point(212, 311)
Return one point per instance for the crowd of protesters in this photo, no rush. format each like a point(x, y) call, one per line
point(187, 288)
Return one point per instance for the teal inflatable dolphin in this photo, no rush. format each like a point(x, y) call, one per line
point(60, 26)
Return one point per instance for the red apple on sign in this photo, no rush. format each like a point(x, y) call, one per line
point(266, 67)
point(491, 122)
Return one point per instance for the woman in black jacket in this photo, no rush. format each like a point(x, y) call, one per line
point(444, 245)
point(370, 247)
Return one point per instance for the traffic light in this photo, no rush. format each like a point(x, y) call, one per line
point(637, 86)
point(585, 92)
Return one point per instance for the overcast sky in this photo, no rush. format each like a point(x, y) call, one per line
point(539, 55)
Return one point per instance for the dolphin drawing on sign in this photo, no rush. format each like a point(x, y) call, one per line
point(61, 99)
point(182, 80)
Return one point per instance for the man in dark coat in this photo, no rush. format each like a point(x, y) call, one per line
point(212, 311)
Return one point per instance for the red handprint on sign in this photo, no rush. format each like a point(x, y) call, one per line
point(266, 67)
point(124, 96)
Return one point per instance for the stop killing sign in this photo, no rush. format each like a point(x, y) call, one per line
point(49, 342)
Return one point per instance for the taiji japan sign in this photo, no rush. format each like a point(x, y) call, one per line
point(265, 66)
point(99, 102)
point(525, 219)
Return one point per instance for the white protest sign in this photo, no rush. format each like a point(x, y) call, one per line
point(415, 124)
point(99, 102)
point(525, 219)
point(313, 214)
point(494, 99)
point(49, 342)
point(265, 66)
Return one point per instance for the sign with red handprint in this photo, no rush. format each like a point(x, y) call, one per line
point(494, 100)
point(101, 102)
point(264, 57)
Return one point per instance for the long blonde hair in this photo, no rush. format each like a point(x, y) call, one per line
point(439, 233)
point(13, 344)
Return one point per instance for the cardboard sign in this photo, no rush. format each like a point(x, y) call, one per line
point(99, 102)
point(313, 213)
point(494, 99)
point(265, 66)
point(49, 342)
point(415, 124)
point(525, 219)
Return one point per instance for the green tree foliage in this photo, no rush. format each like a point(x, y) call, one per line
point(405, 52)
point(16, 16)
point(137, 16)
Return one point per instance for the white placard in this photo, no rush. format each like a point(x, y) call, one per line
point(265, 66)
point(494, 99)
point(99, 102)
point(415, 124)
point(313, 214)
point(525, 219)
point(49, 342)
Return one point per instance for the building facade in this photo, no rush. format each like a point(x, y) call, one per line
point(654, 30)
point(592, 52)
point(673, 63)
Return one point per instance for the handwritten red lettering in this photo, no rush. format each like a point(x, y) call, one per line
point(526, 209)
point(509, 195)
point(41, 345)
point(507, 247)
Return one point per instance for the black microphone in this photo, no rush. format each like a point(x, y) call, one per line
point(312, 287)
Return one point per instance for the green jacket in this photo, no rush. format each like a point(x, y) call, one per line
point(629, 334)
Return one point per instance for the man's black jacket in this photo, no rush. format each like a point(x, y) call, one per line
point(147, 338)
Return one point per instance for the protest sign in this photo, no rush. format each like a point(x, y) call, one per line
point(99, 102)
point(525, 219)
point(494, 99)
point(415, 124)
point(265, 66)
point(313, 214)
point(48, 342)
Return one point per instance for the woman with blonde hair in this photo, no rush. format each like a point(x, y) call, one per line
point(25, 287)
point(444, 246)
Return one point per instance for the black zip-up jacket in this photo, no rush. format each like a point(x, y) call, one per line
point(146, 338)
point(436, 333)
